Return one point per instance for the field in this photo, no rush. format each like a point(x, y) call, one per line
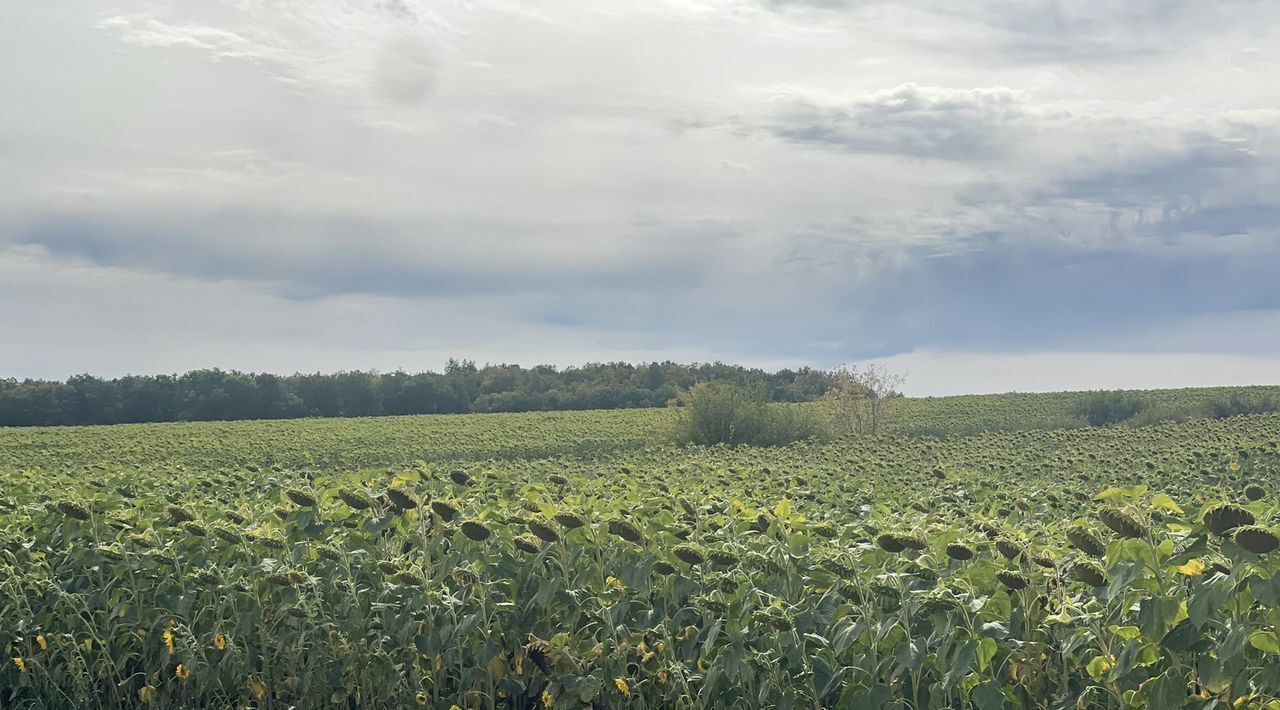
point(574, 560)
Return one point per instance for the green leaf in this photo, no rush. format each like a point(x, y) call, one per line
point(987, 696)
point(1166, 691)
point(1098, 667)
point(1265, 641)
point(1116, 494)
point(986, 651)
point(783, 509)
point(1164, 502)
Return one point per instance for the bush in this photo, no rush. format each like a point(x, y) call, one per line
point(721, 413)
point(1238, 404)
point(1107, 408)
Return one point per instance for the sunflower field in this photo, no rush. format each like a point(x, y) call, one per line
point(570, 561)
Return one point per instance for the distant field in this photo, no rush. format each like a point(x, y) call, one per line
point(567, 560)
point(338, 444)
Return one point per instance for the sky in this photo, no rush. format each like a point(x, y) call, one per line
point(986, 196)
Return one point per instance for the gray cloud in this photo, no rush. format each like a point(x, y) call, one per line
point(288, 185)
point(1089, 31)
point(316, 256)
point(910, 120)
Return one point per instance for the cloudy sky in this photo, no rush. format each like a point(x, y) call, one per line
point(992, 195)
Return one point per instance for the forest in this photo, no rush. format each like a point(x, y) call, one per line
point(463, 387)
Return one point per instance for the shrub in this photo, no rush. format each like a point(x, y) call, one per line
point(1107, 408)
point(1238, 404)
point(721, 413)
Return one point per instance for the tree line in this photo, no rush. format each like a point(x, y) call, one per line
point(215, 394)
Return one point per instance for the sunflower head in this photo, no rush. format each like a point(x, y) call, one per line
point(444, 509)
point(527, 543)
point(542, 655)
point(354, 498)
point(625, 530)
point(1121, 523)
point(824, 530)
point(1089, 572)
point(72, 509)
point(194, 529)
point(724, 558)
point(568, 520)
point(301, 498)
point(542, 531)
point(1256, 539)
point(475, 530)
point(404, 499)
point(1012, 579)
point(142, 540)
point(1222, 519)
point(1043, 559)
point(689, 554)
point(1009, 549)
point(1084, 540)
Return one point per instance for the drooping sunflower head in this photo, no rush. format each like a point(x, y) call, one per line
point(960, 552)
point(542, 655)
point(72, 509)
point(301, 498)
point(354, 498)
point(1043, 559)
point(403, 498)
point(543, 531)
point(1009, 549)
point(689, 554)
point(1084, 540)
point(1122, 523)
point(1013, 579)
point(824, 530)
point(625, 530)
point(194, 529)
point(890, 542)
point(1256, 539)
point(1089, 572)
point(228, 534)
point(445, 510)
point(938, 601)
point(1222, 519)
point(142, 540)
point(527, 543)
point(568, 520)
point(724, 558)
point(475, 530)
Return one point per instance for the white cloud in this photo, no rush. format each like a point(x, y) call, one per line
point(740, 179)
point(941, 373)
